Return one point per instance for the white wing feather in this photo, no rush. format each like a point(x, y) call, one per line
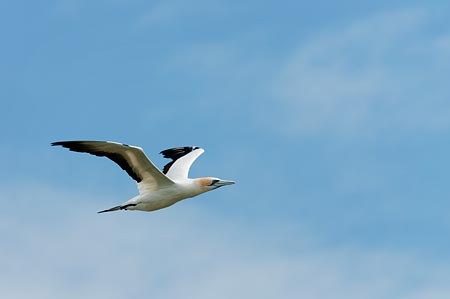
point(180, 168)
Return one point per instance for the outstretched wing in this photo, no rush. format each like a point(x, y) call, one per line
point(132, 159)
point(182, 159)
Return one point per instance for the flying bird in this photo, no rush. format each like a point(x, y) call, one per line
point(157, 189)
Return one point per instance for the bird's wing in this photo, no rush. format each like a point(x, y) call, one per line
point(132, 159)
point(182, 159)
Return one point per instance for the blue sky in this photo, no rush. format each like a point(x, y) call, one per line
point(332, 117)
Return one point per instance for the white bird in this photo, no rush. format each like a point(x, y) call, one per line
point(157, 190)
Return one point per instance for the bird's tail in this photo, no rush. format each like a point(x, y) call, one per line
point(112, 209)
point(117, 208)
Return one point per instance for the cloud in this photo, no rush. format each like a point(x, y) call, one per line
point(383, 74)
point(54, 245)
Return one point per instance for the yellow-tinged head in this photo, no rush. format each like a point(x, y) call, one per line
point(212, 183)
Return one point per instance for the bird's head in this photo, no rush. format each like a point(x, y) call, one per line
point(210, 183)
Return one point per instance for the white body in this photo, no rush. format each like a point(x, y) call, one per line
point(165, 197)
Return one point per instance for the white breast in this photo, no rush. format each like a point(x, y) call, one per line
point(165, 197)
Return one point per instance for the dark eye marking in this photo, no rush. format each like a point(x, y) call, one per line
point(213, 182)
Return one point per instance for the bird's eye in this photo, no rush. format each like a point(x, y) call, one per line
point(213, 182)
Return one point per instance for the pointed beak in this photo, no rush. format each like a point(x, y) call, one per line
point(221, 183)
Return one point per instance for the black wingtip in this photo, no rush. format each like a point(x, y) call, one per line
point(178, 152)
point(60, 143)
point(175, 153)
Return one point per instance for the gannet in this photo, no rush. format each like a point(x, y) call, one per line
point(157, 190)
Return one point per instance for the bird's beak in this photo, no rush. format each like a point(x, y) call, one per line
point(221, 183)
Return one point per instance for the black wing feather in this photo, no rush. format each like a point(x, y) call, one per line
point(81, 147)
point(175, 154)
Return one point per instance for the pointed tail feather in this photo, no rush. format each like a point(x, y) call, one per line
point(112, 209)
point(117, 208)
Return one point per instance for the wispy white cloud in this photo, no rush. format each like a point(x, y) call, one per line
point(378, 75)
point(75, 253)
